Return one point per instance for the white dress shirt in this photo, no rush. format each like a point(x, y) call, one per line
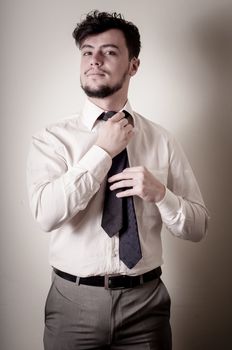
point(66, 180)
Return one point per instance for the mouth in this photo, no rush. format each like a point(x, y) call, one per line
point(91, 72)
point(95, 75)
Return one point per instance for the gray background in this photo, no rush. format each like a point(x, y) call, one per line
point(186, 64)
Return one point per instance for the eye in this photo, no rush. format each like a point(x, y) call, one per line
point(86, 53)
point(110, 53)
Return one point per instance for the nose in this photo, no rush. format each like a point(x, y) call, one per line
point(96, 59)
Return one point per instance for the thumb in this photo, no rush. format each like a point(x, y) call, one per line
point(117, 117)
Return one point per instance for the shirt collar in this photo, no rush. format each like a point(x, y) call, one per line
point(91, 112)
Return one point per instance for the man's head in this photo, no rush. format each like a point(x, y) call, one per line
point(98, 22)
point(109, 54)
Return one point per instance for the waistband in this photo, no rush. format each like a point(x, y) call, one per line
point(112, 281)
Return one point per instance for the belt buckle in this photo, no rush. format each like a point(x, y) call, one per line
point(107, 281)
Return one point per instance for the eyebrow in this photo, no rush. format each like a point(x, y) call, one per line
point(88, 46)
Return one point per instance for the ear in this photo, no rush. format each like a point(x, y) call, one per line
point(134, 65)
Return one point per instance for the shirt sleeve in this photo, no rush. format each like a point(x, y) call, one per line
point(182, 209)
point(57, 191)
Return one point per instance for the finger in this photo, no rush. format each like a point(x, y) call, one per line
point(123, 122)
point(126, 193)
point(127, 173)
point(120, 176)
point(131, 133)
point(122, 184)
point(134, 169)
point(117, 117)
point(128, 128)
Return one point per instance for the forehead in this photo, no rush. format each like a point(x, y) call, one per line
point(109, 37)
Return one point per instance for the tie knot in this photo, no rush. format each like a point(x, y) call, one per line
point(106, 115)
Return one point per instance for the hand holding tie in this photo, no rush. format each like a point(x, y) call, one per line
point(115, 134)
point(140, 182)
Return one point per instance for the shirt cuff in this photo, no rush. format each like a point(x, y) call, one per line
point(97, 162)
point(169, 206)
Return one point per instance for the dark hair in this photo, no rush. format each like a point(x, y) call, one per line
point(98, 22)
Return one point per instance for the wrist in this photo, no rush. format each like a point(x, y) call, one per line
point(104, 149)
point(160, 196)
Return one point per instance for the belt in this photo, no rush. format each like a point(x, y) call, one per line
point(112, 281)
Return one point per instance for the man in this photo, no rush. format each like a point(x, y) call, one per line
point(106, 291)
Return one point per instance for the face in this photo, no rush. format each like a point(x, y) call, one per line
point(105, 64)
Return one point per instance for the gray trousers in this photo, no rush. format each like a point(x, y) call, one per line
point(79, 317)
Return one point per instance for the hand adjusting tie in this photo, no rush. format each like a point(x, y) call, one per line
point(119, 213)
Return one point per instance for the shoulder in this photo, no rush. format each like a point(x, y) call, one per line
point(57, 129)
point(149, 127)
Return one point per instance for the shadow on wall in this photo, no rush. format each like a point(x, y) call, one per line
point(213, 38)
point(201, 309)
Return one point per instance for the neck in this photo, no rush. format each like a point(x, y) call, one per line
point(110, 103)
point(108, 106)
